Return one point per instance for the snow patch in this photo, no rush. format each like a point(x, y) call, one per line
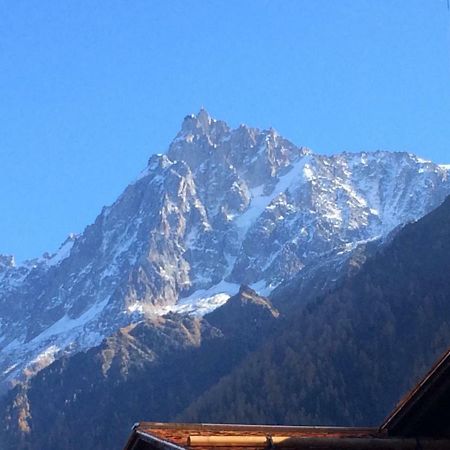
point(67, 324)
point(422, 161)
point(260, 202)
point(202, 306)
point(10, 369)
point(136, 307)
point(62, 253)
point(47, 356)
point(262, 288)
point(203, 301)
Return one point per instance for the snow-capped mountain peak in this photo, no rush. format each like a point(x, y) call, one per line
point(222, 207)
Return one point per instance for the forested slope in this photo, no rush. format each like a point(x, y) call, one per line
point(347, 358)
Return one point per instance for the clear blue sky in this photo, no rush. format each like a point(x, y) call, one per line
point(88, 90)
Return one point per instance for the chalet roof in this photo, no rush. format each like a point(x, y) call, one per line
point(425, 410)
point(421, 420)
point(178, 436)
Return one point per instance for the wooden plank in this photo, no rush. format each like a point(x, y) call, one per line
point(308, 443)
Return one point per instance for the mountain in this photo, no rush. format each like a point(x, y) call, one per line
point(223, 207)
point(151, 369)
point(346, 358)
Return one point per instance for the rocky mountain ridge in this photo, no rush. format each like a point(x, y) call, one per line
point(345, 358)
point(153, 368)
point(222, 207)
point(348, 357)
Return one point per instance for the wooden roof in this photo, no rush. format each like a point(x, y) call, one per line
point(425, 410)
point(177, 436)
point(421, 420)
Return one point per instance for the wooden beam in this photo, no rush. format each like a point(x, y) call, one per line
point(309, 443)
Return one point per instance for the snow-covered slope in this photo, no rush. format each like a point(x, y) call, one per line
point(222, 207)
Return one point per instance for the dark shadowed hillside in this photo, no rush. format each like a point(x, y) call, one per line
point(346, 358)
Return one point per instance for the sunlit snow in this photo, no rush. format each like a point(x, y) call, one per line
point(259, 201)
point(204, 301)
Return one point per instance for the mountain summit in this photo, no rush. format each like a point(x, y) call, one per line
point(223, 207)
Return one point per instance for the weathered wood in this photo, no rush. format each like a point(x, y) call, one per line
point(232, 441)
point(310, 443)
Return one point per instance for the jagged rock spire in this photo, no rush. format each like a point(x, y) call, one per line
point(193, 124)
point(204, 118)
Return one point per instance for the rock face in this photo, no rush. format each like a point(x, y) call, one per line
point(344, 359)
point(153, 369)
point(348, 357)
point(246, 314)
point(222, 207)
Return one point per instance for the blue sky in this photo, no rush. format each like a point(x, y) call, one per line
point(88, 90)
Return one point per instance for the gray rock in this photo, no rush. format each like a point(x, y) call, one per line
point(221, 208)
